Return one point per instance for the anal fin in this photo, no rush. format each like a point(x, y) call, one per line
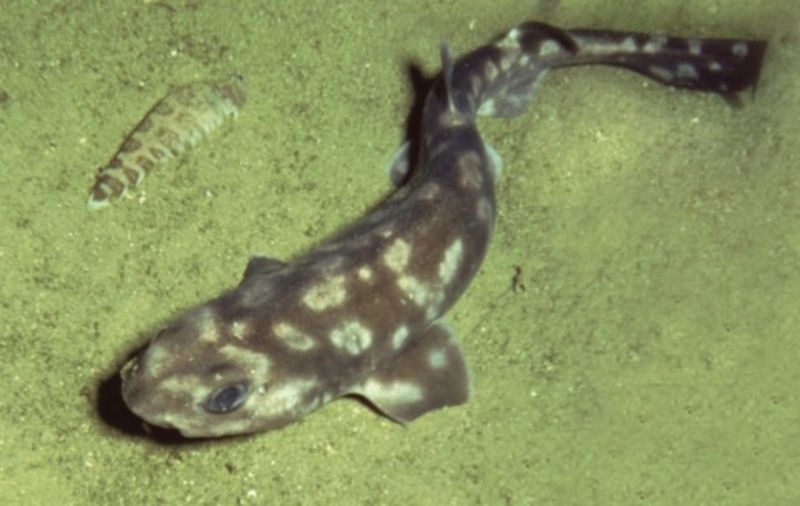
point(430, 374)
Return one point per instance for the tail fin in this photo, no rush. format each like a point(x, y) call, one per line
point(510, 68)
point(723, 66)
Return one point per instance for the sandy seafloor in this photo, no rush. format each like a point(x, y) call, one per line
point(632, 335)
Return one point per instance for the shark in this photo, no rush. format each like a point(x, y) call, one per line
point(362, 313)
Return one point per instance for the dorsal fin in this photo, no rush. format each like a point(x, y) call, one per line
point(446, 55)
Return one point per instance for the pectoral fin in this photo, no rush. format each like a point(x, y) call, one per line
point(429, 375)
point(262, 266)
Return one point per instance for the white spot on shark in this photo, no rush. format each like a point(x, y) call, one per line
point(286, 398)
point(437, 358)
point(240, 329)
point(292, 337)
point(326, 294)
point(628, 45)
point(432, 312)
point(451, 261)
point(686, 71)
point(549, 47)
point(364, 274)
point(186, 384)
point(158, 359)
point(414, 289)
point(399, 337)
point(386, 231)
point(655, 44)
point(207, 328)
point(422, 294)
point(351, 336)
point(258, 363)
point(511, 40)
point(487, 108)
point(396, 256)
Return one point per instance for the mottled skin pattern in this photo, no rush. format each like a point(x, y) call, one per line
point(175, 123)
point(361, 314)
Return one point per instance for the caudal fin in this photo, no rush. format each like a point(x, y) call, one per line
point(501, 77)
point(724, 66)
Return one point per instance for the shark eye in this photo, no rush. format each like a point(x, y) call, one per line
point(227, 398)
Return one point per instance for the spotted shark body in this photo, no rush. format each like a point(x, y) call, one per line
point(362, 313)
